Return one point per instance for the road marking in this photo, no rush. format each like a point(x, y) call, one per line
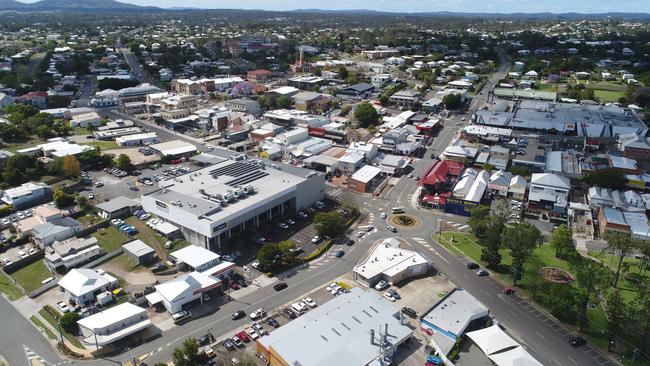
point(513, 313)
point(463, 227)
point(572, 360)
point(540, 335)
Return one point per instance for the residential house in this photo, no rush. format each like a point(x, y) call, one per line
point(71, 253)
point(500, 182)
point(82, 285)
point(5, 100)
point(36, 99)
point(549, 193)
point(57, 229)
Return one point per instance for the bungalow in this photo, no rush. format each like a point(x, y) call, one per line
point(82, 285)
point(55, 230)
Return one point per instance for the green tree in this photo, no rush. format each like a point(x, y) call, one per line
point(452, 101)
point(69, 322)
point(621, 245)
point(366, 114)
point(492, 243)
point(62, 199)
point(329, 223)
point(288, 248)
point(641, 316)
point(607, 178)
point(58, 101)
point(283, 102)
point(269, 256)
point(343, 72)
point(522, 240)
point(562, 301)
point(593, 280)
point(71, 166)
point(479, 219)
point(124, 163)
point(617, 314)
point(188, 354)
point(383, 100)
point(519, 170)
point(562, 242)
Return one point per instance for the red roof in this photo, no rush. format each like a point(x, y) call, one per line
point(35, 94)
point(439, 172)
point(259, 72)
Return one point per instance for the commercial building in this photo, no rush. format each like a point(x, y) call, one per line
point(549, 192)
point(174, 148)
point(117, 207)
point(445, 322)
point(390, 263)
point(366, 179)
point(113, 324)
point(27, 195)
point(500, 348)
point(139, 252)
point(86, 119)
point(113, 134)
point(82, 285)
point(138, 139)
point(70, 253)
point(354, 329)
point(211, 204)
point(179, 292)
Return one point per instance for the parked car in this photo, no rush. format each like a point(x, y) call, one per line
point(410, 312)
point(234, 285)
point(228, 345)
point(289, 313)
point(63, 307)
point(381, 285)
point(238, 315)
point(257, 314)
point(394, 293)
point(472, 265)
point(508, 291)
point(99, 184)
point(577, 341)
point(303, 215)
point(272, 322)
point(280, 286)
point(391, 228)
point(282, 225)
point(259, 329)
point(482, 273)
point(243, 337)
point(310, 302)
point(316, 239)
point(361, 234)
point(237, 342)
point(389, 296)
point(339, 253)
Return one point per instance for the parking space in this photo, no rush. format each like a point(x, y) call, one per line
point(14, 254)
point(137, 157)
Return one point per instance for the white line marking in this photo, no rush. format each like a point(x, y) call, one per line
point(572, 360)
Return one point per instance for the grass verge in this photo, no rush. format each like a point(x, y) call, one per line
point(54, 322)
point(42, 326)
point(8, 288)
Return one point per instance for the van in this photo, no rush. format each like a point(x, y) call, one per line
point(47, 280)
point(181, 316)
point(397, 210)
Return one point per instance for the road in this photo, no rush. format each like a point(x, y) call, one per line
point(136, 69)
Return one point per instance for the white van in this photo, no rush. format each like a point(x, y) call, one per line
point(397, 210)
point(181, 316)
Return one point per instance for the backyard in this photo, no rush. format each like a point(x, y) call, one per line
point(31, 276)
point(110, 239)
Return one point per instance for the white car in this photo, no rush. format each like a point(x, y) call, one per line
point(316, 239)
point(282, 225)
point(6, 222)
point(63, 307)
point(383, 215)
point(330, 287)
point(255, 265)
point(336, 289)
point(31, 251)
point(381, 285)
point(257, 314)
point(309, 301)
point(22, 254)
point(168, 244)
point(91, 195)
point(6, 261)
point(361, 234)
point(99, 184)
point(148, 182)
point(389, 296)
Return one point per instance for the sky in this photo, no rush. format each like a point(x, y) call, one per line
point(489, 6)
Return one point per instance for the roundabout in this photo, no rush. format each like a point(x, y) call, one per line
point(404, 221)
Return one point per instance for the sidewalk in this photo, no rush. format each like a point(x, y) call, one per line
point(81, 352)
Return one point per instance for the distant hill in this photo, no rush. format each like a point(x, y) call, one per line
point(11, 4)
point(79, 5)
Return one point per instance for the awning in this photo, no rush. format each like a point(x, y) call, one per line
point(153, 298)
point(492, 340)
point(515, 357)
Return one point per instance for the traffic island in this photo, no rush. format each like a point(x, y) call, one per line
point(404, 222)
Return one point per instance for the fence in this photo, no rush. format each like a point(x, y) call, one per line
point(43, 288)
point(91, 229)
point(23, 262)
point(103, 258)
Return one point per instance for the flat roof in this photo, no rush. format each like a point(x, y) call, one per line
point(388, 258)
point(455, 311)
point(138, 248)
point(338, 331)
point(174, 147)
point(111, 316)
point(366, 173)
point(194, 256)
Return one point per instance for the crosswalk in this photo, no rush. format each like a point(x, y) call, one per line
point(423, 242)
point(34, 359)
point(457, 225)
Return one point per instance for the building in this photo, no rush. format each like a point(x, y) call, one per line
point(446, 321)
point(634, 146)
point(116, 208)
point(195, 258)
point(27, 195)
point(517, 189)
point(380, 52)
point(211, 204)
point(307, 101)
point(283, 91)
point(139, 252)
point(71, 253)
point(82, 285)
point(259, 76)
point(138, 139)
point(500, 182)
point(174, 148)
point(306, 82)
point(86, 119)
point(366, 179)
point(549, 192)
point(183, 290)
point(59, 147)
point(55, 230)
point(500, 348)
point(5, 100)
point(390, 263)
point(354, 329)
point(245, 105)
point(405, 98)
point(113, 324)
point(36, 99)
point(359, 91)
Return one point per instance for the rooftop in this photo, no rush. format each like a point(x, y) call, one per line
point(455, 311)
point(80, 281)
point(366, 173)
point(195, 256)
point(388, 258)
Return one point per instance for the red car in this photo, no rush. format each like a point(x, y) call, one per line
point(243, 336)
point(234, 285)
point(508, 291)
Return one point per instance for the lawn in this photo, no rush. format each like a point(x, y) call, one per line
point(42, 326)
point(125, 262)
point(147, 235)
point(178, 245)
point(608, 96)
point(8, 288)
point(80, 131)
point(110, 238)
point(627, 288)
point(55, 324)
point(104, 145)
point(30, 277)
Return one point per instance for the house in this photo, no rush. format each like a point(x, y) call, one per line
point(139, 252)
point(5, 100)
point(27, 195)
point(549, 193)
point(37, 99)
point(358, 91)
point(634, 146)
point(307, 101)
point(517, 189)
point(82, 285)
point(55, 230)
point(612, 220)
point(405, 98)
point(113, 324)
point(259, 76)
point(351, 161)
point(71, 253)
point(117, 207)
point(379, 80)
point(86, 119)
point(388, 262)
point(500, 182)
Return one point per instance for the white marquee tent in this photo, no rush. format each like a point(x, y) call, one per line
point(492, 339)
point(514, 357)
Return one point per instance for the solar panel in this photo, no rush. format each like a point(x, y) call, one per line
point(236, 169)
point(245, 179)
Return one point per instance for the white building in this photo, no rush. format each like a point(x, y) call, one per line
point(138, 139)
point(72, 252)
point(113, 324)
point(549, 192)
point(211, 204)
point(59, 147)
point(26, 195)
point(390, 263)
point(82, 284)
point(86, 119)
point(182, 290)
point(55, 230)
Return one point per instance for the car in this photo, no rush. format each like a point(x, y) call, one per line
point(228, 345)
point(252, 333)
point(472, 265)
point(369, 228)
point(391, 228)
point(417, 178)
point(134, 188)
point(6, 222)
point(389, 296)
point(206, 296)
point(577, 341)
point(410, 312)
point(243, 337)
point(241, 282)
point(234, 285)
point(508, 291)
point(393, 292)
point(259, 329)
point(482, 273)
point(148, 182)
point(6, 261)
point(255, 265)
point(280, 286)
point(339, 253)
point(181, 316)
point(204, 340)
point(91, 196)
point(282, 225)
point(272, 322)
point(260, 240)
point(237, 342)
point(303, 215)
point(257, 314)
point(336, 290)
point(383, 215)
point(31, 251)
point(410, 175)
point(22, 254)
point(310, 302)
point(21, 216)
point(63, 307)
point(316, 239)
point(349, 241)
point(209, 353)
point(238, 315)
point(228, 258)
point(168, 244)
point(330, 286)
point(99, 184)
point(381, 285)
point(289, 313)
point(290, 221)
point(360, 234)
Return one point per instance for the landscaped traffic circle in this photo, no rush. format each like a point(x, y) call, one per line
point(404, 221)
point(556, 275)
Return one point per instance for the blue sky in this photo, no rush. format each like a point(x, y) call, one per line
point(491, 6)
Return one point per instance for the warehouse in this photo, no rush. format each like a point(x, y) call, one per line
point(211, 204)
point(366, 179)
point(138, 139)
point(113, 324)
point(390, 263)
point(174, 148)
point(354, 329)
